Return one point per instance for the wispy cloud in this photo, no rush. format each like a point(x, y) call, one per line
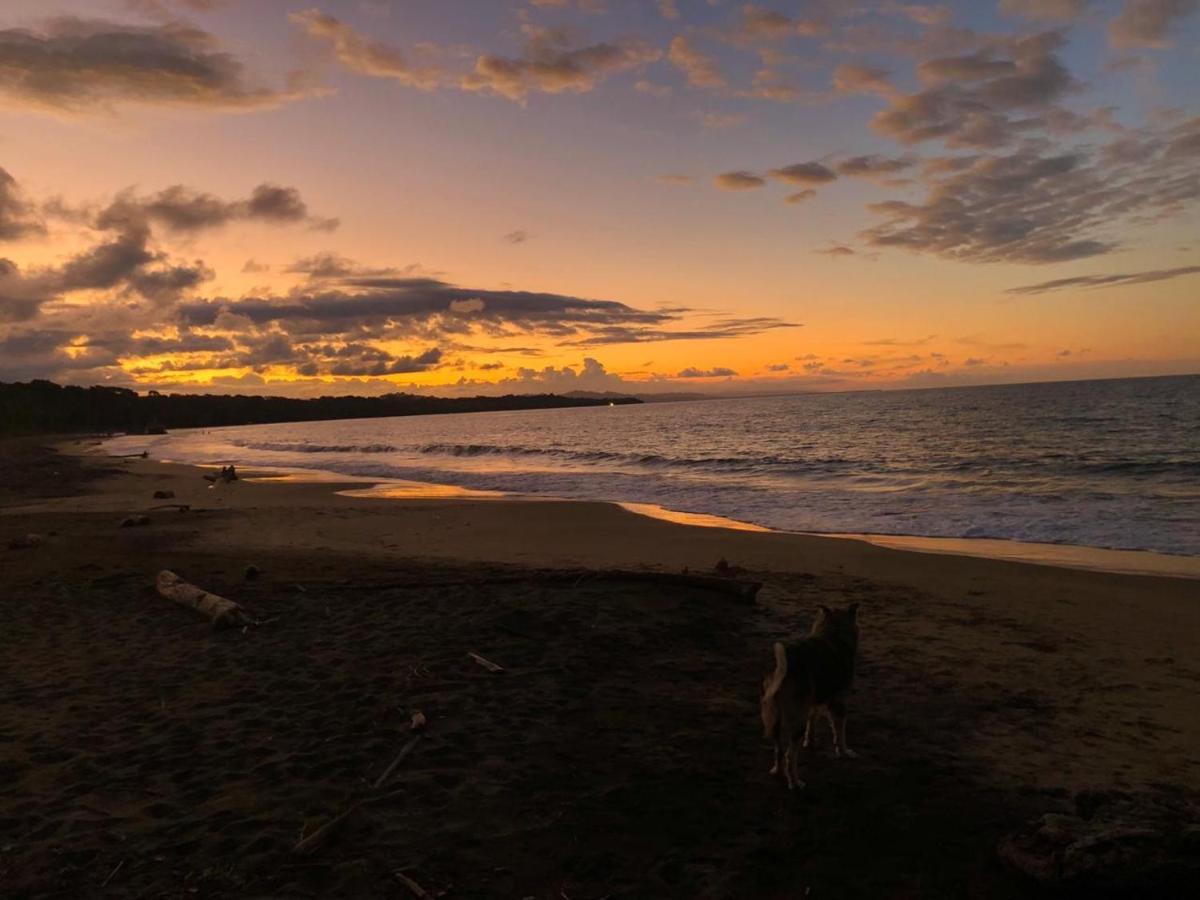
point(79, 66)
point(1112, 280)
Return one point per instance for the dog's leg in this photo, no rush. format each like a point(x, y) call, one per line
point(792, 766)
point(774, 770)
point(808, 727)
point(837, 719)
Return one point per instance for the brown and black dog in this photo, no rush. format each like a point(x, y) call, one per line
point(811, 676)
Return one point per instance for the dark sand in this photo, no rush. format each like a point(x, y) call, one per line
point(620, 755)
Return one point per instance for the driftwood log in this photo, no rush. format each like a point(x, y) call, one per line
point(221, 611)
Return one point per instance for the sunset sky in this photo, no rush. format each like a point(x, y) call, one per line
point(481, 196)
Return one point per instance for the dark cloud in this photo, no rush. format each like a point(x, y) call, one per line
point(125, 264)
point(107, 264)
point(852, 78)
point(724, 328)
point(552, 65)
point(805, 174)
point(550, 62)
point(1044, 9)
point(1148, 23)
point(800, 196)
point(369, 57)
point(517, 237)
point(1031, 206)
point(182, 209)
point(716, 372)
point(881, 169)
point(1111, 280)
point(18, 217)
point(81, 65)
point(757, 24)
point(333, 266)
point(898, 342)
point(739, 181)
point(700, 69)
point(398, 300)
point(969, 98)
point(21, 297)
point(162, 8)
point(406, 308)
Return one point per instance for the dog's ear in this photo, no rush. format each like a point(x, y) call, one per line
point(824, 610)
point(852, 609)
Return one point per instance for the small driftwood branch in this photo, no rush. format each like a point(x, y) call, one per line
point(486, 663)
point(112, 874)
point(411, 885)
point(218, 609)
point(315, 841)
point(182, 507)
point(404, 751)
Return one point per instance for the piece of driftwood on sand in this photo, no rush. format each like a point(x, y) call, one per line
point(222, 612)
point(310, 844)
point(411, 885)
point(404, 751)
point(485, 662)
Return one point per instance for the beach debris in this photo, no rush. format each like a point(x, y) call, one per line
point(395, 764)
point(251, 572)
point(135, 521)
point(411, 885)
point(417, 724)
point(724, 570)
point(227, 474)
point(143, 455)
point(218, 609)
point(164, 495)
point(483, 661)
point(182, 507)
point(311, 843)
point(26, 542)
point(1114, 842)
point(307, 845)
point(112, 874)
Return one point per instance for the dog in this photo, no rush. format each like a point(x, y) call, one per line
point(811, 677)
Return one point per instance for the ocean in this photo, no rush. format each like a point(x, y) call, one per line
point(1109, 464)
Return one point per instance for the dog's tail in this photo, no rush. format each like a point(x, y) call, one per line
point(770, 709)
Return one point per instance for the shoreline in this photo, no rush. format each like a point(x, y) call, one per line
point(1068, 556)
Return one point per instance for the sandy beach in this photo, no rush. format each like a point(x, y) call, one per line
point(618, 754)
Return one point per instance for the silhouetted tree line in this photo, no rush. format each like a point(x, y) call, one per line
point(42, 407)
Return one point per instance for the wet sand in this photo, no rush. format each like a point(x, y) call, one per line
point(619, 754)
